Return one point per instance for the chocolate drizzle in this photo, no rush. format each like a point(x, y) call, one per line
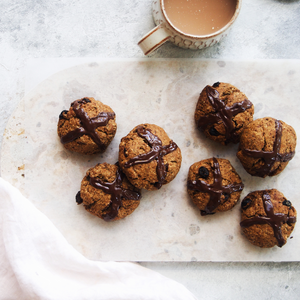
point(157, 152)
point(215, 190)
point(117, 192)
point(275, 220)
point(270, 157)
point(223, 114)
point(88, 125)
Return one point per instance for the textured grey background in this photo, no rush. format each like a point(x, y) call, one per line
point(265, 29)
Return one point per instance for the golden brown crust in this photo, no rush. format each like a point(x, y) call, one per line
point(262, 235)
point(229, 95)
point(144, 175)
point(68, 122)
point(260, 135)
point(96, 201)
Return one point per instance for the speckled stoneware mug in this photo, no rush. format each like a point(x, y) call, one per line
point(166, 31)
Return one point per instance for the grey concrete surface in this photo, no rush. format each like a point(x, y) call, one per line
point(265, 29)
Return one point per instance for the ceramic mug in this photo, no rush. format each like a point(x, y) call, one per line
point(166, 31)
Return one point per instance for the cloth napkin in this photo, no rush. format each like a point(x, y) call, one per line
point(38, 263)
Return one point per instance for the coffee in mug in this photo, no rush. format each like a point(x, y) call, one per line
point(191, 24)
point(199, 17)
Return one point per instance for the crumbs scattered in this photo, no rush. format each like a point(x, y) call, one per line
point(21, 167)
point(21, 132)
point(229, 237)
point(194, 229)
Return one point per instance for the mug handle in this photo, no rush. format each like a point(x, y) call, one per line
point(154, 39)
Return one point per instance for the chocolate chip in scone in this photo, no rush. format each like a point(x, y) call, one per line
point(246, 203)
point(203, 172)
point(78, 198)
point(213, 131)
point(86, 100)
point(287, 203)
point(226, 196)
point(62, 114)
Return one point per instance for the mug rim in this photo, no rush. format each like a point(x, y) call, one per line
point(200, 37)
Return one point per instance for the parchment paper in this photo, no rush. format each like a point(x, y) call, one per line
point(166, 226)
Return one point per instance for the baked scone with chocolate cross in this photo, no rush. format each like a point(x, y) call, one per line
point(88, 127)
point(148, 157)
point(268, 218)
point(222, 112)
point(106, 193)
point(214, 185)
point(266, 147)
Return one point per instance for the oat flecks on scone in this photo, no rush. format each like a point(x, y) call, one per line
point(266, 147)
point(88, 127)
point(148, 157)
point(214, 185)
point(268, 218)
point(106, 193)
point(222, 112)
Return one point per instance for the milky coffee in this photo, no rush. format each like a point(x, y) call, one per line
point(199, 17)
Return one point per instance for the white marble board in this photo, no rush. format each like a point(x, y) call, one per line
point(166, 226)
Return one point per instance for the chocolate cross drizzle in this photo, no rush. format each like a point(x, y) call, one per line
point(117, 192)
point(223, 114)
point(270, 158)
point(157, 152)
point(275, 220)
point(88, 125)
point(215, 190)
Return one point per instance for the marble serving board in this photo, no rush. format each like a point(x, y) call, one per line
point(166, 226)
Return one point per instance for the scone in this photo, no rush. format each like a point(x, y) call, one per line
point(87, 127)
point(105, 192)
point(268, 218)
point(222, 112)
point(266, 147)
point(148, 157)
point(214, 185)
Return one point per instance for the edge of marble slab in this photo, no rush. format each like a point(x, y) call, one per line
point(51, 65)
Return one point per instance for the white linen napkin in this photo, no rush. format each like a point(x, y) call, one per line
point(38, 263)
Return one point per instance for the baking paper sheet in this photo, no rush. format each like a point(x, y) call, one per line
point(166, 226)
